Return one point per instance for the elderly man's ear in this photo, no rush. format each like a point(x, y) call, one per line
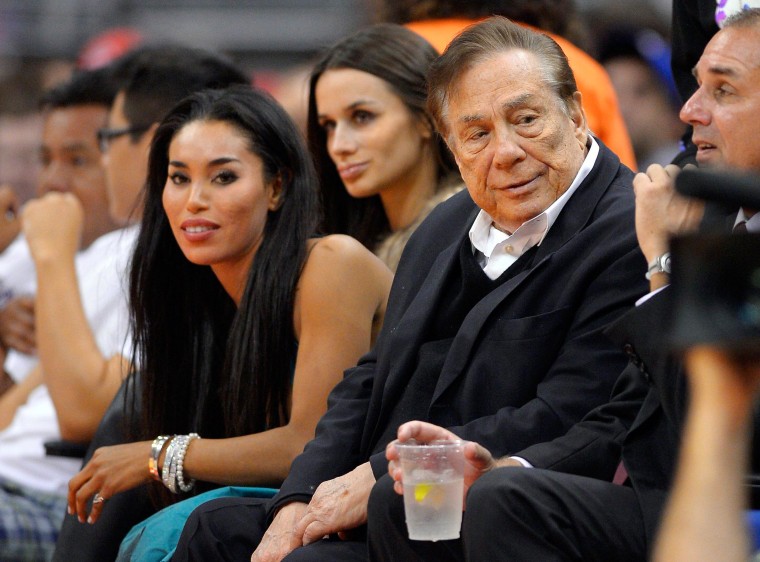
point(578, 116)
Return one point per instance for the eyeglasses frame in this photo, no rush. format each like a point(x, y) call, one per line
point(106, 135)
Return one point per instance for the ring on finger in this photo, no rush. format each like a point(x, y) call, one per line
point(98, 499)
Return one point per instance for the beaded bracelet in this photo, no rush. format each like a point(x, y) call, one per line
point(181, 461)
point(155, 452)
point(181, 439)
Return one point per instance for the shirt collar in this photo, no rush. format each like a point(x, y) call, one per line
point(753, 223)
point(485, 237)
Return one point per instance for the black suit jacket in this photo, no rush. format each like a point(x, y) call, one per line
point(528, 361)
point(641, 422)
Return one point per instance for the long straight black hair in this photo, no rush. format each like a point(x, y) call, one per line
point(206, 366)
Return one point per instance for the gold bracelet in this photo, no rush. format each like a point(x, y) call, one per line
point(155, 452)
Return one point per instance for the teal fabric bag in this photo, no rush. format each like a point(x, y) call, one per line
point(155, 539)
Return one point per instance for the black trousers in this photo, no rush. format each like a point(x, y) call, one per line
point(520, 514)
point(230, 529)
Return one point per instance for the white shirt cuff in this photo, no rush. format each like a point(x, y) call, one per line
point(522, 461)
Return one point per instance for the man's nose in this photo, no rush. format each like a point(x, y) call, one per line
point(54, 177)
point(694, 110)
point(508, 149)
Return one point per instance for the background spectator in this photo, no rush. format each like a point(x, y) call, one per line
point(381, 164)
point(638, 63)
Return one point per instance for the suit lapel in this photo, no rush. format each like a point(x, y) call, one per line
point(413, 326)
point(575, 215)
point(407, 337)
point(646, 346)
point(469, 332)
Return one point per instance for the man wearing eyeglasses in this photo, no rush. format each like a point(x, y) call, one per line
point(125, 152)
point(68, 245)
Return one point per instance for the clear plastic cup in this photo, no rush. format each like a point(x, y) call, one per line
point(433, 488)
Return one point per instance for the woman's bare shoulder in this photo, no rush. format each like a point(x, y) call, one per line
point(337, 249)
point(346, 261)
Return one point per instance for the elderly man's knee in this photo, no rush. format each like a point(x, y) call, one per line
point(503, 486)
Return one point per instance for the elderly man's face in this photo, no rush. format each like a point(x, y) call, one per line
point(517, 147)
point(725, 110)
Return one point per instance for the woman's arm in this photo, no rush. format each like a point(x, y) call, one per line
point(342, 290)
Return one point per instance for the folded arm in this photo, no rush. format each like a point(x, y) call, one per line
point(82, 382)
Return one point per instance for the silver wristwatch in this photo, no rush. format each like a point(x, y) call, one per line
point(660, 264)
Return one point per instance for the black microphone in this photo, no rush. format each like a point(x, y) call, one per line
point(733, 188)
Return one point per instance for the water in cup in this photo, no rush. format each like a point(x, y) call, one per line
point(433, 505)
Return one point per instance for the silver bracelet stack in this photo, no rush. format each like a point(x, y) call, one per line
point(172, 473)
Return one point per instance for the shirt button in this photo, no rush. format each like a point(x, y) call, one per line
point(509, 249)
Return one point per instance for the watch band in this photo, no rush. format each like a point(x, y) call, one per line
point(660, 264)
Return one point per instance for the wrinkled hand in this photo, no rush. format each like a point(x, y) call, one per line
point(478, 459)
point(110, 470)
point(10, 225)
point(660, 211)
point(53, 225)
point(281, 538)
point(17, 325)
point(338, 505)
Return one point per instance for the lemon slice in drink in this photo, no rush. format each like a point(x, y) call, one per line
point(421, 491)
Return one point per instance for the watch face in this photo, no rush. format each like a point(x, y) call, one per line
point(666, 263)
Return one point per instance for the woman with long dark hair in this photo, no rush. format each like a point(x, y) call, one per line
point(243, 320)
point(381, 165)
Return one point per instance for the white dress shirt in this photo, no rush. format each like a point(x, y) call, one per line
point(497, 250)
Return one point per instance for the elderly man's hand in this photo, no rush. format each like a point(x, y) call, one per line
point(53, 225)
point(17, 325)
point(281, 537)
point(660, 211)
point(478, 458)
point(338, 505)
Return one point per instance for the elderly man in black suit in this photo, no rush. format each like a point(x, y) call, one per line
point(495, 319)
point(569, 506)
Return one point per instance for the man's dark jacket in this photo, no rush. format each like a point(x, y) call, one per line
point(528, 361)
point(640, 424)
point(643, 421)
